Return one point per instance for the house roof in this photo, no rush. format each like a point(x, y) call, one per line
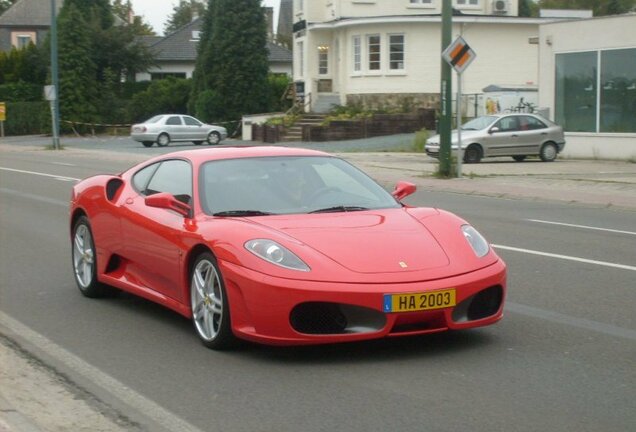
point(181, 46)
point(29, 13)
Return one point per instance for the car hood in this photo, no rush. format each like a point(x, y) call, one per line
point(466, 134)
point(367, 242)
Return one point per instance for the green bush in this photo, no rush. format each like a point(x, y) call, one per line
point(27, 118)
point(420, 140)
point(164, 96)
point(21, 92)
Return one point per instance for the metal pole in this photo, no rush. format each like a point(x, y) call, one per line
point(55, 104)
point(458, 108)
point(446, 113)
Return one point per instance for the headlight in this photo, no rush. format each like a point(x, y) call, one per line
point(477, 241)
point(276, 254)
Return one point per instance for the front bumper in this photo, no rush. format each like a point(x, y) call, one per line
point(280, 311)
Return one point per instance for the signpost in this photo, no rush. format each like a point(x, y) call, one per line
point(459, 55)
point(3, 117)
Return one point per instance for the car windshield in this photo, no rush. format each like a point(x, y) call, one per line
point(288, 185)
point(479, 123)
point(155, 119)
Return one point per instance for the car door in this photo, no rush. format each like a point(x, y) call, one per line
point(532, 133)
point(154, 237)
point(503, 137)
point(175, 128)
point(195, 129)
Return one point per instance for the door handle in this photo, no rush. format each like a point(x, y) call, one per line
point(515, 136)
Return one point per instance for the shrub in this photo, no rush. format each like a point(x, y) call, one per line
point(27, 118)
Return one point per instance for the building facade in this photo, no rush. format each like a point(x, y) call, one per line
point(588, 81)
point(388, 52)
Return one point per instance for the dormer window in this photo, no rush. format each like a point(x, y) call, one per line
point(196, 35)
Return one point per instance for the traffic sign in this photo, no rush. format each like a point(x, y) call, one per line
point(459, 54)
point(3, 112)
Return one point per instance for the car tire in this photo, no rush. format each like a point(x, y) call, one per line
point(197, 142)
point(472, 154)
point(548, 152)
point(84, 258)
point(163, 140)
point(519, 158)
point(214, 138)
point(147, 143)
point(210, 305)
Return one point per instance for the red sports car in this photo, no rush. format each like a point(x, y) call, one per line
point(281, 246)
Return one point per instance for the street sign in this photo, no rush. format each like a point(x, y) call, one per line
point(3, 112)
point(49, 93)
point(459, 54)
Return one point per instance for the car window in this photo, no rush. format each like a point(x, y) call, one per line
point(141, 177)
point(534, 123)
point(507, 124)
point(174, 120)
point(173, 177)
point(191, 121)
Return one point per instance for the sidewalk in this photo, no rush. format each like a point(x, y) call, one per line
point(592, 182)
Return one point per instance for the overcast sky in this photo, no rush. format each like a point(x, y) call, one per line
point(156, 12)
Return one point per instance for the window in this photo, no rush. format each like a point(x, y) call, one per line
point(507, 124)
point(174, 120)
point(617, 105)
point(191, 121)
point(141, 178)
point(575, 88)
point(301, 58)
point(396, 52)
point(323, 60)
point(163, 75)
point(468, 2)
point(173, 177)
point(417, 2)
point(357, 54)
point(373, 49)
point(23, 41)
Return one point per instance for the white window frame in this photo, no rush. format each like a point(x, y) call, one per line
point(356, 49)
point(300, 45)
point(468, 3)
point(323, 60)
point(379, 53)
point(389, 47)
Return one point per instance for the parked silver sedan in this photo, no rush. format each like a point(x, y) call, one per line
point(516, 135)
point(165, 128)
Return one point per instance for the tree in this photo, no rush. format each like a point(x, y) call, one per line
point(94, 56)
point(599, 7)
point(124, 10)
point(6, 4)
point(235, 62)
point(183, 13)
point(528, 8)
point(78, 84)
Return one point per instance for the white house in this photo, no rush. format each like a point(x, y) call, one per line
point(588, 80)
point(386, 52)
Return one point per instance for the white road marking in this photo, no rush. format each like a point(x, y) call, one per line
point(136, 401)
point(57, 177)
point(566, 257)
point(63, 164)
point(570, 320)
point(582, 226)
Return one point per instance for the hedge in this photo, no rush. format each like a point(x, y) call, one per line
point(27, 118)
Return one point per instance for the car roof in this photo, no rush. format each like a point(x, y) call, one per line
point(219, 153)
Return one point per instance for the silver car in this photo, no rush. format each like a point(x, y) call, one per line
point(516, 135)
point(165, 128)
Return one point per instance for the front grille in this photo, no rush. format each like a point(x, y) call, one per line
point(318, 318)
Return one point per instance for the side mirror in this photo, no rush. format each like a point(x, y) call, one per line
point(403, 189)
point(167, 201)
point(493, 130)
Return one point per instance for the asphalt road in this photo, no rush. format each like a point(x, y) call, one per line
point(562, 359)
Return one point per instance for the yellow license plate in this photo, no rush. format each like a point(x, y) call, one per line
point(419, 301)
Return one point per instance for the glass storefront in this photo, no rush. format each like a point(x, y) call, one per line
point(589, 100)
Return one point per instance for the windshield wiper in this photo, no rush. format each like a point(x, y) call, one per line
point(340, 208)
point(239, 213)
